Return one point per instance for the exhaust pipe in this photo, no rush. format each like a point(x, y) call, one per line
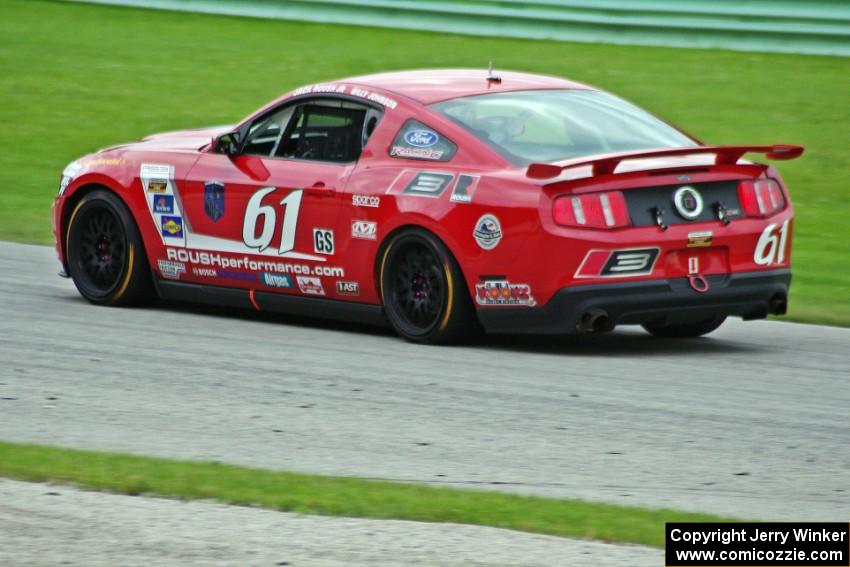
point(778, 304)
point(593, 321)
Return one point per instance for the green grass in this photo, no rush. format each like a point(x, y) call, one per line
point(75, 78)
point(336, 496)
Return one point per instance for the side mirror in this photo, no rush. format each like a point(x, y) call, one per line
point(226, 144)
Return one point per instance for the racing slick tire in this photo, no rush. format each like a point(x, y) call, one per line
point(424, 292)
point(106, 256)
point(685, 330)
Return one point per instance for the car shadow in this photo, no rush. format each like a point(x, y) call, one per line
point(623, 342)
point(626, 341)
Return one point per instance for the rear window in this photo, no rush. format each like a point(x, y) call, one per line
point(553, 125)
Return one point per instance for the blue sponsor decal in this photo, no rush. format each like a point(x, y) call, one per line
point(275, 280)
point(421, 138)
point(233, 275)
point(172, 227)
point(163, 204)
point(214, 199)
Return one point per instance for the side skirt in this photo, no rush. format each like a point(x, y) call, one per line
point(272, 302)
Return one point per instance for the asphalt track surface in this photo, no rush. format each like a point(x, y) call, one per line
point(57, 525)
point(751, 422)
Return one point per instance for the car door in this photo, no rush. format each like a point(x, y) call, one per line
point(271, 213)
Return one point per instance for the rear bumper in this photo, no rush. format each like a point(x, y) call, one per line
point(751, 295)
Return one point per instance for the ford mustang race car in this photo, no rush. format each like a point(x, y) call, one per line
point(441, 202)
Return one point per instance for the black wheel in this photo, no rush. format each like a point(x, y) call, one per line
point(685, 330)
point(424, 292)
point(106, 257)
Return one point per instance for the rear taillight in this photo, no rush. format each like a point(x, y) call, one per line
point(760, 198)
point(592, 210)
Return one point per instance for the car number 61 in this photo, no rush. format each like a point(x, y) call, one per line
point(256, 210)
point(770, 248)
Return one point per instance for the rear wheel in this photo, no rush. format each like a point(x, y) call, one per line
point(685, 330)
point(106, 257)
point(424, 293)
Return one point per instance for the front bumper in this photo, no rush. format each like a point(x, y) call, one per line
point(751, 295)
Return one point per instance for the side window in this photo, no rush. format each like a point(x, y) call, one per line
point(415, 140)
point(326, 130)
point(265, 133)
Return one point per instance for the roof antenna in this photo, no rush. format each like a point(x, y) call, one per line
point(491, 78)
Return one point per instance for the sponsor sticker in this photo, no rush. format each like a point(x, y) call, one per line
point(366, 201)
point(276, 280)
point(416, 153)
point(172, 227)
point(157, 186)
point(171, 270)
point(503, 292)
point(234, 275)
point(348, 288)
point(487, 232)
point(223, 261)
point(464, 188)
point(205, 272)
point(428, 184)
point(421, 138)
point(323, 241)
point(700, 239)
point(310, 286)
point(163, 204)
point(366, 230)
point(155, 177)
point(214, 199)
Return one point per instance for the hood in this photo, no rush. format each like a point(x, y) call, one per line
point(177, 140)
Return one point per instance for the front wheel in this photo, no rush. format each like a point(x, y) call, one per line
point(106, 257)
point(423, 290)
point(685, 330)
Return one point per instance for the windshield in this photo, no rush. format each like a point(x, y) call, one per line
point(553, 125)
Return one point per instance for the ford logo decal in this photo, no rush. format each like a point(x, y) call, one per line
point(421, 138)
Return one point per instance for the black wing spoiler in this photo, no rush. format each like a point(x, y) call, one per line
point(607, 164)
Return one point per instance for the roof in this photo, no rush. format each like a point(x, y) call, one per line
point(432, 85)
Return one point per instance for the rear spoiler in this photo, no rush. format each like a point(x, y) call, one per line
point(607, 164)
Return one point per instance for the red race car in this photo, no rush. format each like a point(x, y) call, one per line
point(441, 202)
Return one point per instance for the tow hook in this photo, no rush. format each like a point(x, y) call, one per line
point(659, 217)
point(698, 282)
point(723, 213)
